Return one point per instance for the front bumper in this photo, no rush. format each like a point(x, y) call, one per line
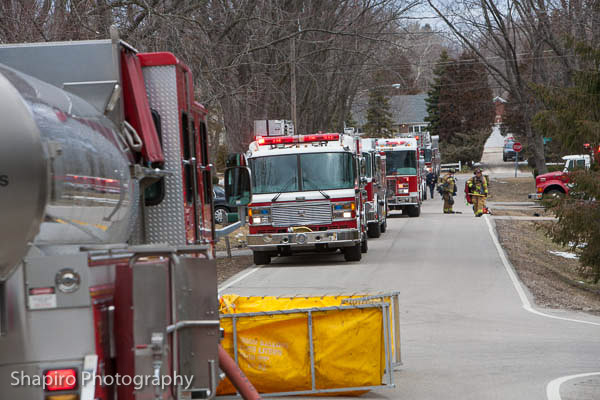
point(403, 200)
point(535, 196)
point(304, 240)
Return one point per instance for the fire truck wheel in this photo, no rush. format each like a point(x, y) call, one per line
point(383, 226)
point(353, 253)
point(374, 230)
point(414, 211)
point(364, 245)
point(553, 194)
point(261, 258)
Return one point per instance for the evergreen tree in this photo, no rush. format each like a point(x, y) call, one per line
point(577, 227)
point(460, 108)
point(572, 114)
point(379, 118)
point(433, 96)
point(572, 117)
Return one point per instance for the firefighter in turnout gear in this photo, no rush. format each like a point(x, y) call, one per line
point(447, 189)
point(478, 190)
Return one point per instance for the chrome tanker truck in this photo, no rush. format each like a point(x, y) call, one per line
point(107, 273)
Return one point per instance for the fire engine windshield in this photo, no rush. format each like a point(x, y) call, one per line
point(274, 174)
point(322, 171)
point(318, 171)
point(401, 162)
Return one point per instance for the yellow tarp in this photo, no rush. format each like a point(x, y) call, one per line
point(274, 352)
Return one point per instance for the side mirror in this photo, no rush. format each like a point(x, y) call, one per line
point(238, 186)
point(236, 160)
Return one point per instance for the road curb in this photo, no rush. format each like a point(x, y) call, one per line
point(527, 301)
point(235, 253)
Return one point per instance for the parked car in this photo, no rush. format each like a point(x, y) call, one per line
point(508, 153)
point(221, 206)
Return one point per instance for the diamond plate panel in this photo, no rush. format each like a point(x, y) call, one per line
point(165, 222)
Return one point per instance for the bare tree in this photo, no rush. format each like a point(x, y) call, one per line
point(239, 50)
point(524, 43)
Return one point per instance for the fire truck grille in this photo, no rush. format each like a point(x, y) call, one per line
point(298, 214)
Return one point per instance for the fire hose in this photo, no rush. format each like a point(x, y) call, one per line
point(237, 377)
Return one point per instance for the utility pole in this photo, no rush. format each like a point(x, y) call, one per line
point(293, 79)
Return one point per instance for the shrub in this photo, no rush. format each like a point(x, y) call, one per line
point(578, 225)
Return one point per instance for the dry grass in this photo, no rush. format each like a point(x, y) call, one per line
point(511, 189)
point(554, 281)
point(522, 212)
point(237, 239)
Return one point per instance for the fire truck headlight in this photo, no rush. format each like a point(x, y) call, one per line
point(260, 215)
point(343, 210)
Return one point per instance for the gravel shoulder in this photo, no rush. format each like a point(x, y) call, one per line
point(228, 267)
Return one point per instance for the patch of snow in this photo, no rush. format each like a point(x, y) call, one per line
point(564, 254)
point(580, 245)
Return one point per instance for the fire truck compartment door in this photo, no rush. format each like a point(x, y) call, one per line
point(197, 300)
point(151, 309)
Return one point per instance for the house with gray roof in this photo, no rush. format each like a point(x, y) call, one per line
point(408, 112)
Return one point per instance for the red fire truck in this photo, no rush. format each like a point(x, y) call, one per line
point(404, 180)
point(107, 270)
point(432, 155)
point(307, 194)
point(373, 170)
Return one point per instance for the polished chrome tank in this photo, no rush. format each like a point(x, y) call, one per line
point(64, 171)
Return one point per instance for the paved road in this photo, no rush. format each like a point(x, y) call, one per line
point(465, 334)
point(465, 331)
point(492, 158)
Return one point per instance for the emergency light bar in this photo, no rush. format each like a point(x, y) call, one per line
point(394, 143)
point(323, 137)
point(275, 140)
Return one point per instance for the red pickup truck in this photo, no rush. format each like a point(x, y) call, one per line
point(557, 183)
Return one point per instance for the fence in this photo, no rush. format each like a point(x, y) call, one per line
point(457, 166)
